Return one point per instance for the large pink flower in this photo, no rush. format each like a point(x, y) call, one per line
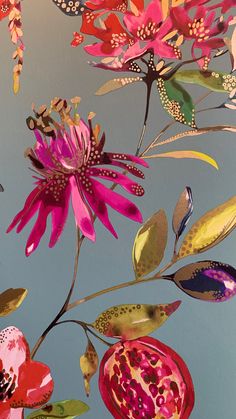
point(23, 383)
point(203, 28)
point(69, 164)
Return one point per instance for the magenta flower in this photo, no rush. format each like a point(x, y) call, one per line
point(23, 383)
point(203, 28)
point(69, 164)
point(151, 32)
point(139, 33)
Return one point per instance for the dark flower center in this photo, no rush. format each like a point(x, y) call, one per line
point(7, 384)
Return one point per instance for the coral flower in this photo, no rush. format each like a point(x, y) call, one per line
point(23, 383)
point(6, 7)
point(146, 379)
point(203, 28)
point(69, 164)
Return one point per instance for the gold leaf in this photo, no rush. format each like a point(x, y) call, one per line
point(149, 244)
point(115, 84)
point(131, 321)
point(11, 299)
point(186, 154)
point(89, 365)
point(182, 211)
point(210, 229)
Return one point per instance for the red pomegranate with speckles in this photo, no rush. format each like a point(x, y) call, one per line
point(144, 378)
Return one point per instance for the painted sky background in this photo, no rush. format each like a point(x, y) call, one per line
point(204, 334)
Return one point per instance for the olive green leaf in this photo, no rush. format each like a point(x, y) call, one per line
point(212, 80)
point(149, 244)
point(67, 409)
point(89, 365)
point(176, 101)
point(210, 229)
point(116, 84)
point(131, 321)
point(11, 299)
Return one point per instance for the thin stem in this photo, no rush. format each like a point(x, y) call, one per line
point(66, 303)
point(149, 88)
point(157, 276)
point(86, 329)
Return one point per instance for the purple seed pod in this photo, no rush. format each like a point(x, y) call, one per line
point(206, 280)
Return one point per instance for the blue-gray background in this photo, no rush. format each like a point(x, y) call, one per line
point(203, 334)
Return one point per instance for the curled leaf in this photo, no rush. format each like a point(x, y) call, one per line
point(182, 211)
point(149, 244)
point(210, 229)
point(116, 84)
point(185, 154)
point(131, 321)
point(206, 280)
point(66, 409)
point(89, 365)
point(11, 299)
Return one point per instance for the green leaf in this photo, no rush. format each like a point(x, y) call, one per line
point(67, 409)
point(11, 299)
point(149, 244)
point(115, 84)
point(212, 80)
point(176, 101)
point(131, 321)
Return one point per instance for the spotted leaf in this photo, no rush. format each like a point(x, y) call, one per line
point(66, 409)
point(176, 101)
point(131, 321)
point(149, 244)
point(11, 299)
point(116, 84)
point(210, 229)
point(89, 365)
point(212, 80)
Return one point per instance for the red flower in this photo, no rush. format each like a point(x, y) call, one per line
point(203, 28)
point(5, 8)
point(118, 5)
point(77, 40)
point(23, 383)
point(146, 379)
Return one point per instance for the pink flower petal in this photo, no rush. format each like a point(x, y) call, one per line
point(117, 202)
point(100, 210)
point(59, 217)
point(82, 213)
point(97, 50)
point(14, 349)
point(116, 177)
point(7, 413)
point(126, 157)
point(38, 229)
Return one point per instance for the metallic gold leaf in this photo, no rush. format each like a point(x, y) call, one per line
point(11, 299)
point(89, 365)
point(149, 244)
point(130, 321)
point(182, 211)
point(210, 229)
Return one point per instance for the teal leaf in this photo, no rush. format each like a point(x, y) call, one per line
point(212, 80)
point(176, 101)
point(67, 409)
